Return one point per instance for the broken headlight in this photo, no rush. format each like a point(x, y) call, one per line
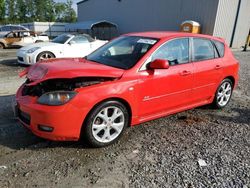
point(56, 98)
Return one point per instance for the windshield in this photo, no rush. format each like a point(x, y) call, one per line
point(61, 39)
point(123, 52)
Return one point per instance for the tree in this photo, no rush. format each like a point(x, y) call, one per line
point(60, 9)
point(21, 11)
point(70, 14)
point(2, 10)
point(11, 10)
point(36, 10)
point(50, 12)
point(30, 10)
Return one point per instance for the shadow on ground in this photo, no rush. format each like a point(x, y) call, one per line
point(13, 135)
point(242, 116)
point(12, 63)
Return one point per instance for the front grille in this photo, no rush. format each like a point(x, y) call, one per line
point(20, 58)
point(24, 117)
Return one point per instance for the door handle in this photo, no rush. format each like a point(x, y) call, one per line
point(185, 73)
point(217, 67)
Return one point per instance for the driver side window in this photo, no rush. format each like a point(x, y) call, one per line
point(11, 35)
point(175, 51)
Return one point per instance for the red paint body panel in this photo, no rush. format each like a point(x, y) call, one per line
point(149, 93)
point(71, 68)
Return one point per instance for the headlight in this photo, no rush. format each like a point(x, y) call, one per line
point(30, 51)
point(56, 98)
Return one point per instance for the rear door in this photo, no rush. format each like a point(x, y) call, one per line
point(166, 90)
point(207, 67)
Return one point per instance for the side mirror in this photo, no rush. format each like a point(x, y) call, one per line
point(159, 64)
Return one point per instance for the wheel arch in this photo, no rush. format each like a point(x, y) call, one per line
point(37, 41)
point(4, 45)
point(44, 52)
point(230, 78)
point(121, 100)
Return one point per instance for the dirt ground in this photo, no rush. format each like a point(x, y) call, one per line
point(160, 153)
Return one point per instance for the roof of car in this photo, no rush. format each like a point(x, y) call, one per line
point(168, 34)
point(21, 31)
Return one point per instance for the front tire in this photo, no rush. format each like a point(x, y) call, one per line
point(223, 94)
point(106, 123)
point(2, 46)
point(45, 56)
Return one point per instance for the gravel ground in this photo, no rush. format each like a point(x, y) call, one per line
point(161, 153)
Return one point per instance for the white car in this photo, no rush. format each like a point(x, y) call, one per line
point(63, 46)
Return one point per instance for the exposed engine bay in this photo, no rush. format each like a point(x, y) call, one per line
point(61, 85)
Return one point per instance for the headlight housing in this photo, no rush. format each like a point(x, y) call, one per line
point(30, 51)
point(56, 98)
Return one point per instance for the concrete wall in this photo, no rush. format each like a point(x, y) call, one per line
point(225, 19)
point(148, 15)
point(243, 25)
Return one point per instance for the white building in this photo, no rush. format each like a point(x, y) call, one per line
point(52, 29)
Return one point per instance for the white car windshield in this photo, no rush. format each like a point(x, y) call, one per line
point(61, 39)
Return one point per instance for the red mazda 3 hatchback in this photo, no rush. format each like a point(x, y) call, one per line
point(133, 79)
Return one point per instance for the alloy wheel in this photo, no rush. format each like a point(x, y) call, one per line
point(224, 94)
point(108, 124)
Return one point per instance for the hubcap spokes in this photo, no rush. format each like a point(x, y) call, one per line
point(224, 93)
point(108, 124)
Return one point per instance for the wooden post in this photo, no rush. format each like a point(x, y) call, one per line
point(247, 42)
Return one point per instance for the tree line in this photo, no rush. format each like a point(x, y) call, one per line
point(22, 11)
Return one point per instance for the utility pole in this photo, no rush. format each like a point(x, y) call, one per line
point(247, 42)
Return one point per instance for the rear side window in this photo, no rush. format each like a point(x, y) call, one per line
point(175, 51)
point(220, 47)
point(202, 49)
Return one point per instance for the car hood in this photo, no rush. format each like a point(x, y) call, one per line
point(40, 44)
point(69, 68)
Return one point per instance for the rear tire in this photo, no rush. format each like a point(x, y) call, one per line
point(105, 124)
point(223, 94)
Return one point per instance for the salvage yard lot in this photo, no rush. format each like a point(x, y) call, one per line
point(160, 153)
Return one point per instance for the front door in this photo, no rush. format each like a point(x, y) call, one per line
point(166, 90)
point(12, 38)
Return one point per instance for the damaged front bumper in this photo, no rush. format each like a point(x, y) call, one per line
point(58, 123)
